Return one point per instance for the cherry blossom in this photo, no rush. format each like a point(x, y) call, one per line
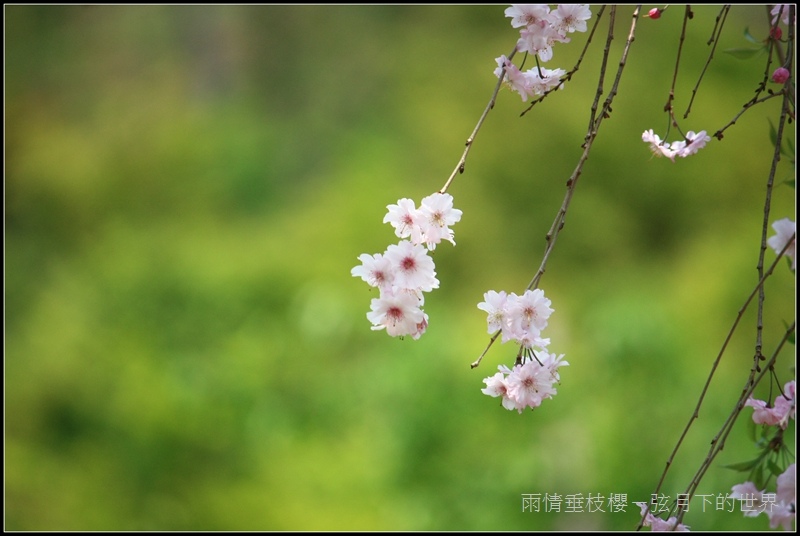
point(782, 11)
point(657, 147)
point(398, 313)
point(762, 414)
point(498, 386)
point(405, 219)
point(748, 494)
point(781, 411)
point(786, 230)
point(526, 385)
point(683, 148)
point(527, 14)
point(421, 327)
point(779, 506)
point(569, 18)
point(785, 404)
point(544, 82)
point(786, 485)
point(376, 270)
point(514, 78)
point(539, 40)
point(657, 524)
point(696, 142)
point(495, 305)
point(413, 268)
point(529, 313)
point(437, 214)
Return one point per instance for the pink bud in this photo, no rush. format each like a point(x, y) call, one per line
point(781, 75)
point(776, 33)
point(654, 13)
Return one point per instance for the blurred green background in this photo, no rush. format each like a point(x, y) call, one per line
point(187, 189)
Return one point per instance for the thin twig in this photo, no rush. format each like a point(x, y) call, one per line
point(463, 160)
point(716, 32)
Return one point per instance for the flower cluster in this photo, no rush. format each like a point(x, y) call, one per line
point(779, 506)
point(519, 318)
point(541, 28)
point(405, 270)
point(683, 148)
point(657, 524)
point(522, 319)
point(526, 385)
point(785, 230)
point(531, 83)
point(781, 411)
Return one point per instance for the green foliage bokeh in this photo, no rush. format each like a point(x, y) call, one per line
point(188, 187)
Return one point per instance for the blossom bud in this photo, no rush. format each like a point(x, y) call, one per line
point(781, 75)
point(776, 33)
point(654, 13)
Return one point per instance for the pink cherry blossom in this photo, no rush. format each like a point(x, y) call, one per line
point(785, 230)
point(376, 270)
point(779, 506)
point(751, 498)
point(544, 82)
point(785, 404)
point(782, 11)
point(527, 14)
point(398, 313)
point(657, 147)
point(404, 218)
point(437, 215)
point(529, 384)
point(422, 327)
point(568, 18)
point(786, 485)
point(498, 386)
point(539, 40)
point(695, 143)
point(762, 414)
point(413, 268)
point(781, 514)
point(514, 78)
point(552, 362)
point(529, 312)
point(657, 524)
point(495, 305)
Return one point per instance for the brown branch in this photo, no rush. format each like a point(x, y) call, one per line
point(463, 160)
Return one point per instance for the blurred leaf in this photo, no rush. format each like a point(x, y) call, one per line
point(787, 148)
point(744, 466)
point(749, 37)
point(773, 134)
point(757, 477)
point(774, 468)
point(745, 53)
point(752, 430)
